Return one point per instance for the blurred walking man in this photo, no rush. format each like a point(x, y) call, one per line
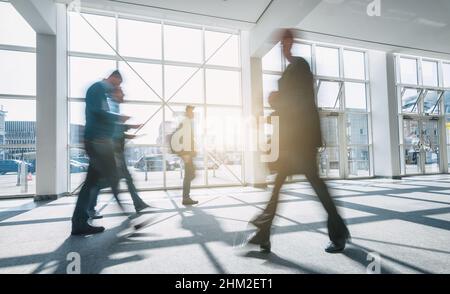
point(188, 157)
point(98, 140)
point(119, 138)
point(300, 136)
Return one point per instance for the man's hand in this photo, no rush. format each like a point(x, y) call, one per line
point(124, 118)
point(137, 126)
point(129, 136)
point(273, 97)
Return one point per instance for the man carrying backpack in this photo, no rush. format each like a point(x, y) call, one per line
point(182, 143)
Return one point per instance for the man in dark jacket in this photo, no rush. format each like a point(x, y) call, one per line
point(299, 137)
point(98, 141)
point(116, 98)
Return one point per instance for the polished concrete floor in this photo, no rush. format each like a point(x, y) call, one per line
point(405, 223)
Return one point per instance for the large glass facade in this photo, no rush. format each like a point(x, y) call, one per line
point(424, 110)
point(166, 66)
point(342, 95)
point(17, 103)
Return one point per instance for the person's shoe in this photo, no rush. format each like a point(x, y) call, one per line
point(87, 230)
point(141, 206)
point(189, 201)
point(335, 247)
point(264, 244)
point(96, 215)
point(266, 247)
point(338, 246)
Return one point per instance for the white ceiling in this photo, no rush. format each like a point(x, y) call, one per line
point(240, 10)
point(417, 24)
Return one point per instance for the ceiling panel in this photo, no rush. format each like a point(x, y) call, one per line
point(247, 11)
point(406, 23)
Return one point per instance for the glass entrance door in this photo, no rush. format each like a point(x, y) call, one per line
point(431, 141)
point(421, 145)
point(329, 154)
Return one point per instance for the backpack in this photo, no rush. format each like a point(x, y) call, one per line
point(169, 140)
point(171, 148)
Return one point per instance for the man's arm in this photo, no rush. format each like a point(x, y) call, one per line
point(129, 136)
point(131, 126)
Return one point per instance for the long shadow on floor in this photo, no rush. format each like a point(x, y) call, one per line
point(17, 210)
point(364, 258)
point(204, 227)
point(96, 252)
point(272, 259)
point(361, 255)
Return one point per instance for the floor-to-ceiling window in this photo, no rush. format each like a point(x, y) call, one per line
point(342, 95)
point(166, 66)
point(17, 103)
point(423, 90)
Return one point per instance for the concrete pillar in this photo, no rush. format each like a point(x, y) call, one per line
point(252, 91)
point(51, 111)
point(385, 126)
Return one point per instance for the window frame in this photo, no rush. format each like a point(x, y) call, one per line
point(341, 111)
point(28, 146)
point(421, 116)
point(202, 66)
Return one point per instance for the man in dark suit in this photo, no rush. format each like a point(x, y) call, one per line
point(116, 98)
point(299, 137)
point(98, 141)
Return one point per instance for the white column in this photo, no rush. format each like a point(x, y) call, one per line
point(40, 14)
point(252, 91)
point(384, 115)
point(51, 111)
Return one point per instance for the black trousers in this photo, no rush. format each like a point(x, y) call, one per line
point(102, 164)
point(337, 230)
point(189, 175)
point(122, 173)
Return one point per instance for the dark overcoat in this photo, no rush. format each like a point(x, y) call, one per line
point(299, 130)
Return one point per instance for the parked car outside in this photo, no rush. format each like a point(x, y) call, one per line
point(12, 166)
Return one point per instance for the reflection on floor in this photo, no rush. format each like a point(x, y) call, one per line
point(407, 223)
